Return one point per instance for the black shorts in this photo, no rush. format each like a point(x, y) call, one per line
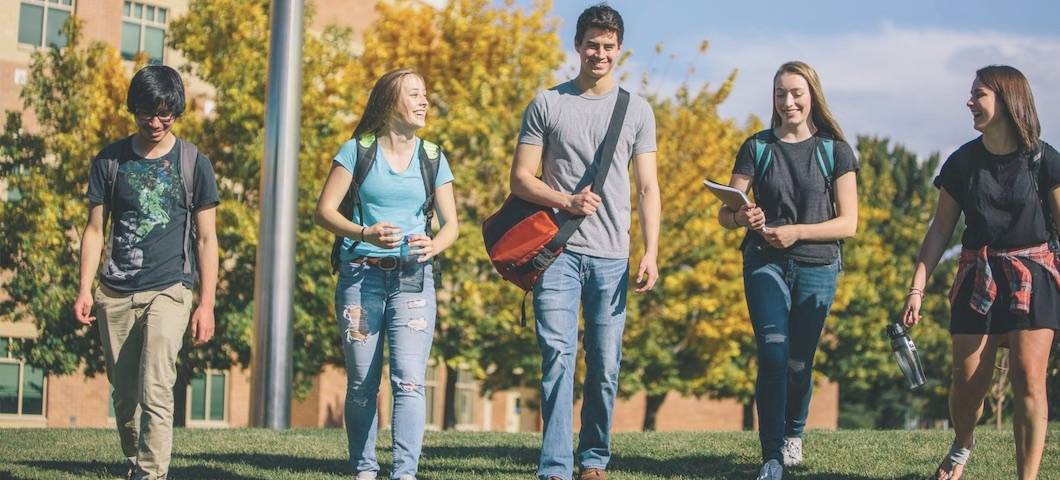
point(1044, 311)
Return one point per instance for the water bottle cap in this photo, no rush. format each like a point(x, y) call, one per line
point(895, 330)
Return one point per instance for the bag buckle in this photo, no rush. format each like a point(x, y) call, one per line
point(543, 259)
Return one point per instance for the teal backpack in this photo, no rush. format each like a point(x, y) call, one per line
point(764, 145)
point(824, 152)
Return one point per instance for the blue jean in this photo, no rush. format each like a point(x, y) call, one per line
point(788, 302)
point(599, 286)
point(369, 303)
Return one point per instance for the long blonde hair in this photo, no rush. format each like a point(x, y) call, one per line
point(820, 114)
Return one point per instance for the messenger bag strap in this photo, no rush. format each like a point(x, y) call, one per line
point(602, 164)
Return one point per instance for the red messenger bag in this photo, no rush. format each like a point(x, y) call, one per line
point(523, 238)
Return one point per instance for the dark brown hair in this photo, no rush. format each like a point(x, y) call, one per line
point(600, 16)
point(819, 112)
point(381, 102)
point(1013, 91)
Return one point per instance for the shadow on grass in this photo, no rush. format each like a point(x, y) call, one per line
point(273, 461)
point(495, 460)
point(722, 467)
point(93, 469)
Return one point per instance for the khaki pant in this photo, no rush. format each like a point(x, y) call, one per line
point(142, 333)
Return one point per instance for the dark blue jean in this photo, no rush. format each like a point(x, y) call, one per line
point(788, 302)
point(598, 286)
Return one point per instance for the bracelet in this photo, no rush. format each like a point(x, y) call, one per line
point(915, 291)
point(362, 233)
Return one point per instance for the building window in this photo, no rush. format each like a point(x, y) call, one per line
point(22, 387)
point(40, 22)
point(466, 392)
point(143, 29)
point(430, 391)
point(206, 398)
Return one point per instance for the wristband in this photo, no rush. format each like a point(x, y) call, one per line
point(915, 291)
point(362, 233)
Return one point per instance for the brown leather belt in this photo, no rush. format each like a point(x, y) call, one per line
point(383, 263)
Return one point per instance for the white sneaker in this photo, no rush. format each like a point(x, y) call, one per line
point(365, 476)
point(792, 451)
point(771, 471)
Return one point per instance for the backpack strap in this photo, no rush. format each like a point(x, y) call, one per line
point(189, 153)
point(430, 155)
point(111, 162)
point(824, 153)
point(366, 148)
point(763, 151)
point(1035, 169)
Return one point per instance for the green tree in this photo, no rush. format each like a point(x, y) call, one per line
point(896, 200)
point(225, 51)
point(690, 336)
point(77, 97)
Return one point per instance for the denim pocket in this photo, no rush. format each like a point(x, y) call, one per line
point(410, 278)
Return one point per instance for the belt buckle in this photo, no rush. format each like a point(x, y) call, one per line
point(389, 263)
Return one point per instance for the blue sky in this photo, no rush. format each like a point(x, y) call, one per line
point(900, 69)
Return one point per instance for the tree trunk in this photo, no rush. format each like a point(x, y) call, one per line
point(999, 387)
point(749, 414)
point(449, 412)
point(180, 399)
point(651, 410)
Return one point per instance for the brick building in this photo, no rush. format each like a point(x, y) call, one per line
point(221, 398)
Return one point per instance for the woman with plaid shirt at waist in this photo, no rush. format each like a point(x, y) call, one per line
point(1007, 287)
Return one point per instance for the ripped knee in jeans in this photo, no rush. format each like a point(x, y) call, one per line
point(407, 386)
point(356, 324)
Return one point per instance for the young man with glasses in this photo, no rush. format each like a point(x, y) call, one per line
point(159, 196)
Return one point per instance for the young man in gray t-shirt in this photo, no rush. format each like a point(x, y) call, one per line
point(562, 129)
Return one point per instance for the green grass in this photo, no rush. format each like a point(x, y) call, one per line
point(246, 454)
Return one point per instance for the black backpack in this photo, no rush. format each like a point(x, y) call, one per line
point(188, 153)
point(430, 154)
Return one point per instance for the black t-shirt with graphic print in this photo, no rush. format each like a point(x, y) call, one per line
point(148, 214)
point(996, 195)
point(793, 190)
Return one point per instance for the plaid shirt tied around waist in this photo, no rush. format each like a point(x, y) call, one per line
point(984, 289)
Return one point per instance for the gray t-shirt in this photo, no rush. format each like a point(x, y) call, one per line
point(570, 126)
point(793, 191)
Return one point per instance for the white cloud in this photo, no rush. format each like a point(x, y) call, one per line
point(907, 84)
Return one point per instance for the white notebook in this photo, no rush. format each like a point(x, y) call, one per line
point(732, 197)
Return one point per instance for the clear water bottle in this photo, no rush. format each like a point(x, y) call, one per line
point(405, 252)
point(905, 353)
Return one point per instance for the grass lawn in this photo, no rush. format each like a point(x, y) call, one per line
point(246, 454)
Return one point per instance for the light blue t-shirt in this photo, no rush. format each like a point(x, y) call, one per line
point(387, 195)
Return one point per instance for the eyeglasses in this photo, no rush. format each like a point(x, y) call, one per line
point(164, 117)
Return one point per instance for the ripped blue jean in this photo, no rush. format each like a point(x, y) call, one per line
point(788, 302)
point(370, 306)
